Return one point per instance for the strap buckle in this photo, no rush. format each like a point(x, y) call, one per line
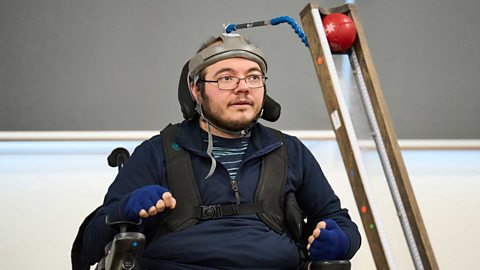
point(211, 211)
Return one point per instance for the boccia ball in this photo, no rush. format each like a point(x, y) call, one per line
point(340, 31)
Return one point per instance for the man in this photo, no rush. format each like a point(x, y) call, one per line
point(232, 164)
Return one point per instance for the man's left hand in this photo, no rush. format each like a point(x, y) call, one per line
point(328, 242)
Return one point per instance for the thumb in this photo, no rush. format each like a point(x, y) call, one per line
point(332, 243)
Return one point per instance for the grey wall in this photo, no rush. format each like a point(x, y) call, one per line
point(114, 64)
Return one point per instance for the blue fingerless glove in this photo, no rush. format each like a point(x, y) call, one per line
point(331, 244)
point(142, 198)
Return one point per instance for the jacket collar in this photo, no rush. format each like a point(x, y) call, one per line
point(189, 136)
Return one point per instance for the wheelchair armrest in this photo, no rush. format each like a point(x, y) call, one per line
point(330, 265)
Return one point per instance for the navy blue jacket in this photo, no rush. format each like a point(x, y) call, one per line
point(239, 242)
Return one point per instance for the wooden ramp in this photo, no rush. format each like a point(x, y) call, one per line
point(382, 133)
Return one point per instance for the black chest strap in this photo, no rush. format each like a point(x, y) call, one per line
point(217, 211)
point(181, 182)
point(271, 186)
point(269, 196)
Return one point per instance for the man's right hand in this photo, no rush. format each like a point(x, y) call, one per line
point(148, 201)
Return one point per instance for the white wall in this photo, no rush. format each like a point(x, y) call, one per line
point(49, 187)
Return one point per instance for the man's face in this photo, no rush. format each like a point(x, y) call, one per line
point(231, 109)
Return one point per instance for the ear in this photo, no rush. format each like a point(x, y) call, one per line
point(194, 91)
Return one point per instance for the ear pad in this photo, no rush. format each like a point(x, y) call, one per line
point(271, 109)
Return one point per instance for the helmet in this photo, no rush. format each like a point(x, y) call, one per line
point(233, 45)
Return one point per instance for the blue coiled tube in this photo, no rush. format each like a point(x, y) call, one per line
point(293, 24)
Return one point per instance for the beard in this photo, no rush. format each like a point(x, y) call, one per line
point(217, 120)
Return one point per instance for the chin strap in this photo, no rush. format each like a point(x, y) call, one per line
point(209, 153)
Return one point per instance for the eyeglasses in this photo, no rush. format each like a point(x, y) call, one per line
point(231, 82)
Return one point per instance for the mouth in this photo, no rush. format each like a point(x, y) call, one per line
point(241, 103)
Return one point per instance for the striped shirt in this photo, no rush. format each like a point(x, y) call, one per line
point(230, 153)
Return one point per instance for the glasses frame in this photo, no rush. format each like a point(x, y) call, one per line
point(264, 78)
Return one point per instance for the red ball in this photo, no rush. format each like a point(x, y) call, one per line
point(340, 31)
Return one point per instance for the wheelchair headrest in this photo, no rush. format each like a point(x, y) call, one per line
point(271, 109)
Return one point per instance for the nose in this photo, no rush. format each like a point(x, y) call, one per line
point(242, 86)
